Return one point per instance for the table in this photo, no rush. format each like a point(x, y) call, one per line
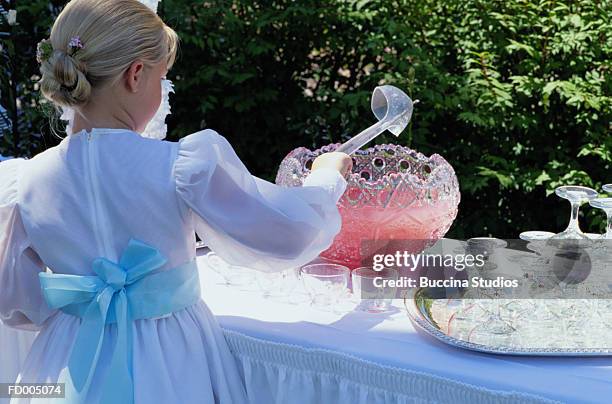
point(293, 353)
point(298, 354)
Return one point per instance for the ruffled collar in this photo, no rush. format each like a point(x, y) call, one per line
point(156, 129)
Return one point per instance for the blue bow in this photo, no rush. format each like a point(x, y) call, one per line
point(120, 293)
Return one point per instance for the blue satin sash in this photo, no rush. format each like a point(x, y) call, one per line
point(120, 293)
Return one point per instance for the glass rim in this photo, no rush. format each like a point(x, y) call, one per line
point(535, 235)
point(486, 241)
point(343, 270)
point(358, 272)
point(440, 167)
point(600, 203)
point(576, 193)
point(577, 188)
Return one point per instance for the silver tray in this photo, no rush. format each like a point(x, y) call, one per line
point(425, 314)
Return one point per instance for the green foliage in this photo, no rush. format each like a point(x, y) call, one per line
point(514, 94)
point(18, 76)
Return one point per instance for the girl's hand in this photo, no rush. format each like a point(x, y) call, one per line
point(336, 160)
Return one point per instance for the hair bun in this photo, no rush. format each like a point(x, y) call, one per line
point(93, 43)
point(64, 81)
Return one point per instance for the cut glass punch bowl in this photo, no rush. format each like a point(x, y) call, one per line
point(393, 193)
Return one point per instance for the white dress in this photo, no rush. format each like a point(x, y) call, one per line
point(88, 196)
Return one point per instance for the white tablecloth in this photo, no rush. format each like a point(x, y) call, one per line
point(293, 353)
point(298, 354)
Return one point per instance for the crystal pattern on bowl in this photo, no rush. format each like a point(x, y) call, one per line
point(393, 193)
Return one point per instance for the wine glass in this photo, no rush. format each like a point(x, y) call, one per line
point(539, 282)
point(326, 283)
point(231, 275)
point(536, 242)
point(604, 204)
point(576, 195)
point(278, 285)
point(606, 258)
point(489, 247)
point(375, 297)
point(535, 235)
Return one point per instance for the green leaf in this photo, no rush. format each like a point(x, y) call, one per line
point(503, 179)
point(517, 46)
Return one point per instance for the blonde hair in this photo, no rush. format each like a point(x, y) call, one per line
point(114, 34)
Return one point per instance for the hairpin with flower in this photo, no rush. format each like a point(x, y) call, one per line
point(74, 45)
point(44, 50)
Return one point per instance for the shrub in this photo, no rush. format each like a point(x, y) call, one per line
point(514, 94)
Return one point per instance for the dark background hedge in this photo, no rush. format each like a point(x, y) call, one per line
point(514, 94)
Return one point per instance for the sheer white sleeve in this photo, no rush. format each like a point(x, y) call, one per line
point(251, 222)
point(21, 301)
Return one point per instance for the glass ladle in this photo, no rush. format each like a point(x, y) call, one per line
point(393, 109)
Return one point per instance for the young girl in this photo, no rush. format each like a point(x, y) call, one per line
point(97, 234)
